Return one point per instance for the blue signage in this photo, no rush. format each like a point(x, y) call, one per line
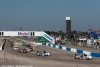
point(94, 35)
point(23, 33)
point(48, 37)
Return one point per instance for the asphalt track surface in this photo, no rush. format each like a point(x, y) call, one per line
point(58, 58)
point(1, 41)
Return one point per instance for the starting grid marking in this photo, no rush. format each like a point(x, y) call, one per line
point(14, 66)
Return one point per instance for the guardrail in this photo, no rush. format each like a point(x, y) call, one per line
point(2, 45)
point(94, 54)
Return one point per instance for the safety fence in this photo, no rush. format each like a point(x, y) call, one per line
point(94, 54)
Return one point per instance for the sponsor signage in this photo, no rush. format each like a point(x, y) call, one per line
point(48, 37)
point(23, 33)
point(41, 39)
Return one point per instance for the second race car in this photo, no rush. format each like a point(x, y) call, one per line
point(43, 53)
point(83, 56)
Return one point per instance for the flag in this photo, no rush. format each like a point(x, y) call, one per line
point(90, 29)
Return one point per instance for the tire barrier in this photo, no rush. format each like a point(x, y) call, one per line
point(94, 54)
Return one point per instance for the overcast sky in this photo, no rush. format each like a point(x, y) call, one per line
point(49, 15)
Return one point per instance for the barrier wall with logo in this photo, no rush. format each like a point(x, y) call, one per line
point(94, 54)
point(28, 33)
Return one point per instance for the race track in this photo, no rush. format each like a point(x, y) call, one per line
point(58, 58)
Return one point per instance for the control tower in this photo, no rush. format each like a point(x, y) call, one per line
point(68, 27)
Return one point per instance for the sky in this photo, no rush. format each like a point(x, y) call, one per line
point(48, 15)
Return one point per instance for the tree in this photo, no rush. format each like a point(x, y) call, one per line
point(74, 32)
point(48, 32)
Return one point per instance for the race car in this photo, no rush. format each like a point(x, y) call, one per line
point(83, 56)
point(43, 53)
point(15, 48)
point(22, 50)
point(31, 48)
point(27, 49)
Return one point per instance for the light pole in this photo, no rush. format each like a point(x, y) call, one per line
point(60, 30)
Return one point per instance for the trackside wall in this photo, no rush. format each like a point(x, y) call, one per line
point(94, 54)
point(2, 45)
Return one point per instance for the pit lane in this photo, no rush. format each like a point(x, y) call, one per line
point(58, 58)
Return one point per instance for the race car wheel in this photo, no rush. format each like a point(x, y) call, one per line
point(75, 57)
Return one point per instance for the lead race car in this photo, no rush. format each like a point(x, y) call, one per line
point(83, 56)
point(43, 53)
